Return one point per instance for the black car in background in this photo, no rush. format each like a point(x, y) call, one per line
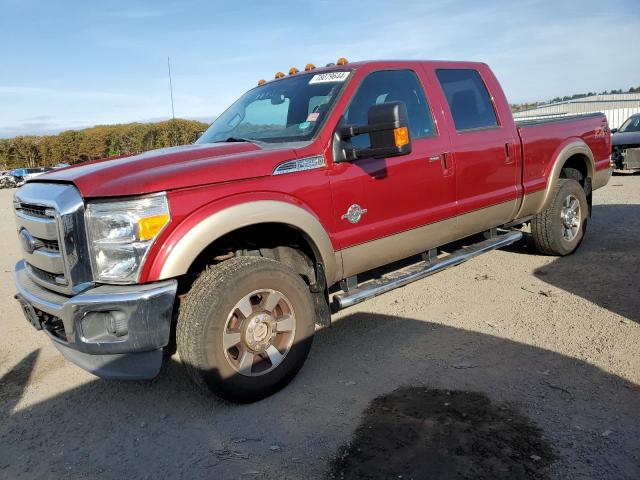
point(625, 144)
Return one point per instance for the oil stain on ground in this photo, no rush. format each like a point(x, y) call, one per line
point(417, 433)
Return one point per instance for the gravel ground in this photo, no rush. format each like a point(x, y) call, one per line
point(556, 341)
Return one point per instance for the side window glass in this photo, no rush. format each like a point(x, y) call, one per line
point(469, 101)
point(391, 86)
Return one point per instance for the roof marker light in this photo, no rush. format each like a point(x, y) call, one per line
point(261, 82)
point(279, 75)
point(293, 71)
point(342, 61)
point(309, 66)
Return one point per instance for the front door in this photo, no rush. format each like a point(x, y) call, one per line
point(380, 204)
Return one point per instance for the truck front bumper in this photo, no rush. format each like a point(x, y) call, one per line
point(111, 331)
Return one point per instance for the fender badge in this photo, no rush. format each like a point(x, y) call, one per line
point(354, 214)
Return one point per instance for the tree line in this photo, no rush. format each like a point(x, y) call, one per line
point(101, 141)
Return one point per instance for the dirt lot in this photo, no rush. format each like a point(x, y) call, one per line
point(539, 356)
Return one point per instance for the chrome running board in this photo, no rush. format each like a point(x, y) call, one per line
point(421, 270)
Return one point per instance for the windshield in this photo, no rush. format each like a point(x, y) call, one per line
point(286, 110)
point(631, 125)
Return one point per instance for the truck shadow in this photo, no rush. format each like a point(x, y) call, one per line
point(165, 429)
point(605, 270)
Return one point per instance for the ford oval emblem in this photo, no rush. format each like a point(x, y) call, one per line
point(27, 240)
point(354, 214)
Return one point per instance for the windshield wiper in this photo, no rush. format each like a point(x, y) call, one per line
point(238, 139)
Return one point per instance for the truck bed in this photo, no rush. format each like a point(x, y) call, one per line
point(543, 139)
point(555, 119)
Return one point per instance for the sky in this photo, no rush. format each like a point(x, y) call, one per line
point(73, 64)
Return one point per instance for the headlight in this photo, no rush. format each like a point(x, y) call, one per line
point(121, 233)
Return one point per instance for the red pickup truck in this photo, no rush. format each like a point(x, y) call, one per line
point(235, 248)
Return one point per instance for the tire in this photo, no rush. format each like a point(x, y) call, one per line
point(551, 231)
point(245, 307)
point(572, 174)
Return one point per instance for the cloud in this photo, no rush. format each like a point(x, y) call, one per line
point(110, 61)
point(33, 128)
point(76, 95)
point(37, 118)
point(150, 12)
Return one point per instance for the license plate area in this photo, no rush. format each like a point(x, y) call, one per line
point(29, 313)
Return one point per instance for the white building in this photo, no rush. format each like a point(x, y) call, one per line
point(617, 107)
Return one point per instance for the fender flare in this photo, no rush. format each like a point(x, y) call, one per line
point(224, 221)
point(576, 147)
point(539, 201)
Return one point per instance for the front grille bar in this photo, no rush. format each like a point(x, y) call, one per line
point(31, 210)
point(50, 221)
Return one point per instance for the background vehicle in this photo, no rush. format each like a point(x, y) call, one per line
point(21, 175)
point(231, 245)
point(7, 180)
point(626, 145)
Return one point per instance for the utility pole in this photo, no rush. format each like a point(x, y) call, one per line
point(172, 133)
point(173, 113)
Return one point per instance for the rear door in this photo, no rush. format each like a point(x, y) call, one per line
point(484, 146)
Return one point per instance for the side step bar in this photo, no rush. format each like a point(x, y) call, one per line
point(421, 270)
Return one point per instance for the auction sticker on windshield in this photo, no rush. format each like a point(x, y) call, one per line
point(329, 77)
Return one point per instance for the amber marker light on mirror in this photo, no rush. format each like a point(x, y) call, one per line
point(401, 136)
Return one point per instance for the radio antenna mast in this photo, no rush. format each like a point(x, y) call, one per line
point(173, 113)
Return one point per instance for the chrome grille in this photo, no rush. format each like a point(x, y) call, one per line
point(51, 245)
point(47, 277)
point(35, 210)
point(50, 221)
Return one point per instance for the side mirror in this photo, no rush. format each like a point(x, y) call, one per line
point(614, 130)
point(388, 129)
point(198, 135)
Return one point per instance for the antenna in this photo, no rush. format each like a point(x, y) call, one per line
point(173, 113)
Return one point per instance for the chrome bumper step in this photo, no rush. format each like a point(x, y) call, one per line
point(420, 270)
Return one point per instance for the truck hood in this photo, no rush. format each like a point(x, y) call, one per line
point(170, 168)
point(625, 138)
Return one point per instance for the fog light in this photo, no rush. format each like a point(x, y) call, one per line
point(99, 326)
point(116, 323)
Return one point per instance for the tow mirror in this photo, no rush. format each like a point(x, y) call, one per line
point(388, 129)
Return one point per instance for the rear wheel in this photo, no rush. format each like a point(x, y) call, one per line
point(245, 328)
point(559, 230)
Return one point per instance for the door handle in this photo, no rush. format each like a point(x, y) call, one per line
point(447, 164)
point(446, 161)
point(507, 151)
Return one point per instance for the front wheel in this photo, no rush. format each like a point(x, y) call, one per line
point(245, 328)
point(559, 230)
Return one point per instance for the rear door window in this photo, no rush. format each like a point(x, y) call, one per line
point(468, 98)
